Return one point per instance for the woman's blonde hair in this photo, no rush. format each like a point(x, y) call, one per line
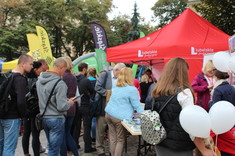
point(173, 77)
point(145, 78)
point(125, 77)
point(208, 66)
point(69, 62)
point(91, 72)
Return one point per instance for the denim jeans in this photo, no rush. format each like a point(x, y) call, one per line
point(54, 129)
point(93, 128)
point(9, 133)
point(68, 141)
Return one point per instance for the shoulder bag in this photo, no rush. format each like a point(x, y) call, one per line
point(38, 118)
point(152, 130)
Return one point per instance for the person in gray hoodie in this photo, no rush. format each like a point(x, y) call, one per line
point(54, 117)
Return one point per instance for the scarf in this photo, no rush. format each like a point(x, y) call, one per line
point(217, 83)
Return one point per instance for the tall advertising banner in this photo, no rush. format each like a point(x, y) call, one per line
point(101, 59)
point(45, 45)
point(34, 47)
point(99, 35)
point(101, 44)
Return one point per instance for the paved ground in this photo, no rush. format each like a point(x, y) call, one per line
point(132, 144)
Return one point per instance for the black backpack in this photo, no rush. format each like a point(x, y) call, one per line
point(96, 105)
point(96, 102)
point(6, 80)
point(32, 98)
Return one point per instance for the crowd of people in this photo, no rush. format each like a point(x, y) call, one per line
point(64, 98)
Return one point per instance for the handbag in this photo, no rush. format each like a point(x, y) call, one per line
point(38, 118)
point(152, 130)
point(96, 108)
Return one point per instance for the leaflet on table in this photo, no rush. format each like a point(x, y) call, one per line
point(135, 126)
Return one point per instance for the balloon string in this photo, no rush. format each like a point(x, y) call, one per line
point(212, 148)
point(216, 140)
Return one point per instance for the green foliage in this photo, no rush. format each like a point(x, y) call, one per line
point(167, 10)
point(220, 13)
point(118, 32)
point(12, 31)
point(80, 35)
point(13, 42)
point(146, 28)
point(120, 26)
point(66, 22)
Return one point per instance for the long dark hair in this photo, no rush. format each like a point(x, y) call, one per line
point(32, 73)
point(173, 77)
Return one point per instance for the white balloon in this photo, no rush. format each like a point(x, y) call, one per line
point(220, 61)
point(195, 121)
point(231, 64)
point(222, 115)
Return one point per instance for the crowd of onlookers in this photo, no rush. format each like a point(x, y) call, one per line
point(62, 116)
point(64, 98)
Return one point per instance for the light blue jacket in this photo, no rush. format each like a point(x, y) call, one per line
point(123, 102)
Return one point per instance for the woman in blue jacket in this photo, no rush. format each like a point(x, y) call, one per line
point(123, 101)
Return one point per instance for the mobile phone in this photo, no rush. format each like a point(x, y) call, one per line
point(76, 97)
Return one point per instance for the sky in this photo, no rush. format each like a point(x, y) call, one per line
point(127, 7)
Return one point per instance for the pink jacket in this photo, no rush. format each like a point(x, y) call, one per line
point(199, 86)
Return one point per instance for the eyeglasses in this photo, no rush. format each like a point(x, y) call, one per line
point(213, 70)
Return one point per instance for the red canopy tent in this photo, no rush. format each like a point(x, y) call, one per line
point(188, 36)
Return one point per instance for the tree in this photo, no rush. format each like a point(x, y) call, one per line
point(220, 13)
point(134, 33)
point(80, 35)
point(167, 10)
point(12, 32)
point(66, 22)
point(118, 31)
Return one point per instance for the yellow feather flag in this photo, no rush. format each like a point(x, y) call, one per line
point(34, 47)
point(45, 47)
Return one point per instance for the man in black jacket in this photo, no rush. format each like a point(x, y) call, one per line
point(85, 88)
point(10, 121)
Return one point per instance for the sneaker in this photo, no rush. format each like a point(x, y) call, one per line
point(46, 151)
point(42, 149)
point(93, 140)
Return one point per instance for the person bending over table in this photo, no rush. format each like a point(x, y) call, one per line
point(123, 101)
